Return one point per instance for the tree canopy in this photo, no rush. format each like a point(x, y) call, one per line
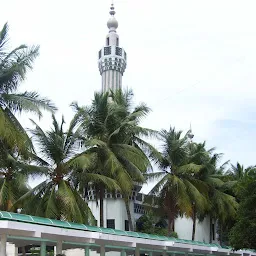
point(243, 233)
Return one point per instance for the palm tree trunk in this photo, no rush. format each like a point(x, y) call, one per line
point(220, 233)
point(210, 240)
point(23, 249)
point(194, 224)
point(171, 226)
point(101, 206)
point(128, 211)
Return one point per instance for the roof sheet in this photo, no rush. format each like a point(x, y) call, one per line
point(71, 225)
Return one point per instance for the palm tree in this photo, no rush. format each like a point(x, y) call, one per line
point(199, 155)
point(178, 187)
point(105, 124)
point(14, 65)
point(56, 197)
point(133, 134)
point(238, 172)
point(223, 206)
point(14, 173)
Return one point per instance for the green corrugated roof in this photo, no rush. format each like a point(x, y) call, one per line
point(71, 225)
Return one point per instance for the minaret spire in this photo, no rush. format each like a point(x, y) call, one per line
point(112, 9)
point(112, 58)
point(190, 134)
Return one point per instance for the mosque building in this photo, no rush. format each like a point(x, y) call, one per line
point(112, 61)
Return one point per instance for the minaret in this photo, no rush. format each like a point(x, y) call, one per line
point(112, 58)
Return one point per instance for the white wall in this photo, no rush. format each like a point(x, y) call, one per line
point(80, 252)
point(76, 252)
point(183, 227)
point(10, 249)
point(113, 209)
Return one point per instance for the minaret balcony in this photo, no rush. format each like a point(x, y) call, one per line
point(112, 58)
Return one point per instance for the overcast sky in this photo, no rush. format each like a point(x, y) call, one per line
point(190, 61)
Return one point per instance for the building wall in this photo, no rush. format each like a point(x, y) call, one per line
point(10, 249)
point(75, 252)
point(81, 252)
point(113, 209)
point(183, 227)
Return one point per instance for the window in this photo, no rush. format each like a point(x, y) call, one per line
point(126, 225)
point(139, 197)
point(111, 223)
point(118, 51)
point(117, 42)
point(107, 41)
point(99, 54)
point(138, 208)
point(107, 50)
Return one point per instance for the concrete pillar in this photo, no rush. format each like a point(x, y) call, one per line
point(137, 251)
point(165, 253)
point(102, 250)
point(3, 245)
point(43, 249)
point(150, 254)
point(87, 251)
point(59, 247)
point(123, 253)
point(16, 252)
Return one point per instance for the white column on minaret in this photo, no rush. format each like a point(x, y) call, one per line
point(112, 58)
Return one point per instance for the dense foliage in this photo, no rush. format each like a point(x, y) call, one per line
point(106, 147)
point(243, 233)
point(151, 224)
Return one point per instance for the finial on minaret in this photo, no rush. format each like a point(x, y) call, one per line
point(112, 9)
point(190, 134)
point(112, 22)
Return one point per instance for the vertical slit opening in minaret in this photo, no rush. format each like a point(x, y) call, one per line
point(117, 41)
point(107, 41)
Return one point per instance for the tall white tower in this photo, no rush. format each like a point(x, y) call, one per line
point(112, 58)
